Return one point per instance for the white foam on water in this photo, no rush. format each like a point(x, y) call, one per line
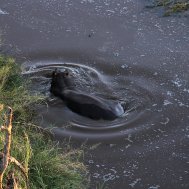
point(154, 187)
point(177, 81)
point(3, 12)
point(166, 102)
point(135, 182)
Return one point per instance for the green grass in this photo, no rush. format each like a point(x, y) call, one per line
point(172, 6)
point(49, 166)
point(179, 7)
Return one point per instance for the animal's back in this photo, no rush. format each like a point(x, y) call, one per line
point(62, 86)
point(91, 106)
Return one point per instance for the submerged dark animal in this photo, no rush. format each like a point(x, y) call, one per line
point(63, 86)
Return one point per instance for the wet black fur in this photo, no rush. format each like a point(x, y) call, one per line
point(62, 86)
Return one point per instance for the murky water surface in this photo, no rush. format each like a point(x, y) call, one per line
point(121, 51)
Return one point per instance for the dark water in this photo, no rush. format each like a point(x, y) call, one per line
point(121, 51)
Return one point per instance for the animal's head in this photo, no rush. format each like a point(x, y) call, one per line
point(60, 81)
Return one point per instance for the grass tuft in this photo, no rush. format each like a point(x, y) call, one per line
point(49, 167)
point(172, 6)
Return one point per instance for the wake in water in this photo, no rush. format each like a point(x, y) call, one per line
point(135, 99)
